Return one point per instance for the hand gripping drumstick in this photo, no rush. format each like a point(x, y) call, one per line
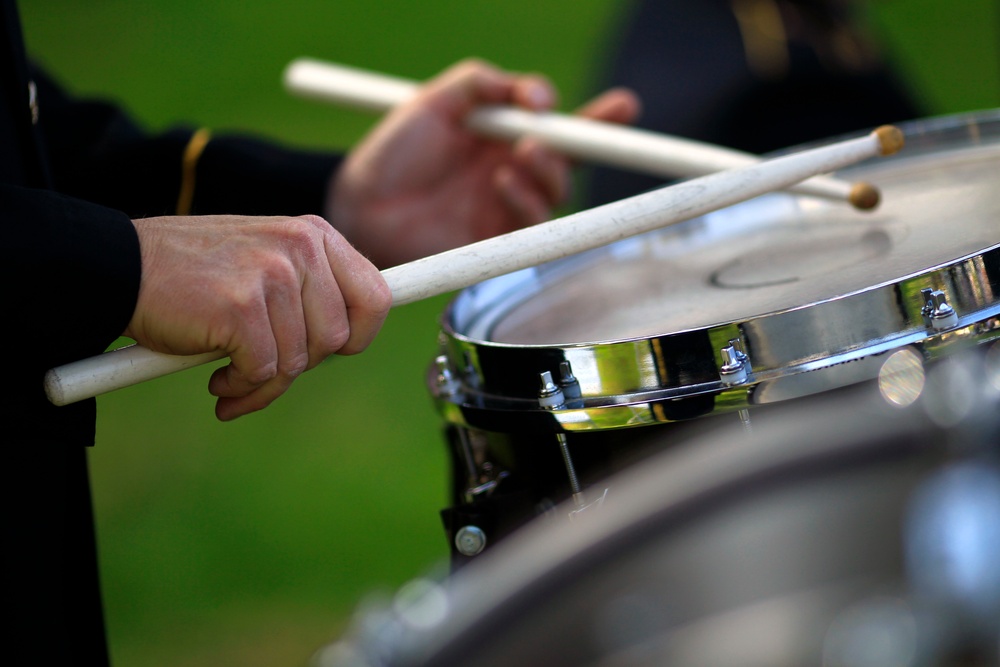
point(471, 264)
point(581, 138)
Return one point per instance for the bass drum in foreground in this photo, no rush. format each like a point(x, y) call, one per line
point(852, 533)
point(778, 298)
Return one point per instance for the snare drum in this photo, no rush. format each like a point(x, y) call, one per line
point(542, 372)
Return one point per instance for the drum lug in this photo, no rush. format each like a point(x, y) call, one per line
point(446, 384)
point(550, 396)
point(737, 344)
point(937, 312)
point(570, 385)
point(471, 375)
point(734, 369)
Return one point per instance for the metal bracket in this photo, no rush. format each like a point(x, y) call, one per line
point(937, 312)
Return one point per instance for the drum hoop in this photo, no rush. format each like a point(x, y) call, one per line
point(605, 405)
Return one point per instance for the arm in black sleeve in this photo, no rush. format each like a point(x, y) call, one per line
point(71, 260)
point(96, 152)
point(71, 272)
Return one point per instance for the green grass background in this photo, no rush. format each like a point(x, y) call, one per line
point(251, 543)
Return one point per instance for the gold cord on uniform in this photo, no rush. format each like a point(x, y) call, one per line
point(189, 165)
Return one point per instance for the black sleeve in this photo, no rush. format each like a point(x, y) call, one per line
point(96, 152)
point(71, 256)
point(70, 279)
point(249, 176)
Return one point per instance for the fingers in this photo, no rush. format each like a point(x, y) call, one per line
point(541, 178)
point(534, 92)
point(364, 293)
point(533, 179)
point(536, 180)
point(316, 298)
point(548, 169)
point(265, 363)
point(471, 83)
point(617, 105)
point(463, 87)
point(521, 198)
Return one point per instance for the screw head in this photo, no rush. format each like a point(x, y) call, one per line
point(470, 540)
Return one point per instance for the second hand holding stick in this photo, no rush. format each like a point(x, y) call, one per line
point(602, 143)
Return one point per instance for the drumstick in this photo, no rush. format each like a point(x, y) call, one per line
point(531, 246)
point(580, 138)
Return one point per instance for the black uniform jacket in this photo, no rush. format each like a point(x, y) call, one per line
point(721, 72)
point(73, 174)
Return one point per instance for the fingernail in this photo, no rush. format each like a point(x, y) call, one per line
point(540, 96)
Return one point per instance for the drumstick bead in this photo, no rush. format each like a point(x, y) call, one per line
point(864, 196)
point(890, 139)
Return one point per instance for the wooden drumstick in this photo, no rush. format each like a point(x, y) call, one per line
point(580, 138)
point(531, 246)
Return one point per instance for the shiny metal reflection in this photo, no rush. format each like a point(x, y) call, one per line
point(953, 391)
point(901, 378)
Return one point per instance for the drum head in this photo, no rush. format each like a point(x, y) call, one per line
point(778, 252)
point(801, 283)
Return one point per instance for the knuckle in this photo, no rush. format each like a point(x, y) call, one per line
point(280, 270)
point(481, 66)
point(262, 373)
point(244, 304)
point(302, 234)
point(297, 231)
point(470, 64)
point(336, 337)
point(314, 221)
point(295, 365)
point(380, 300)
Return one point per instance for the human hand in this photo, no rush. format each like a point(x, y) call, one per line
point(422, 182)
point(278, 295)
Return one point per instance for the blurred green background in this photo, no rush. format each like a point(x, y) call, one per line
point(251, 543)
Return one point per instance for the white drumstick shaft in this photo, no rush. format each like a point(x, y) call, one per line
point(471, 264)
point(604, 143)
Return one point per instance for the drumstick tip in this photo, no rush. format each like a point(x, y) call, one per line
point(864, 196)
point(54, 390)
point(890, 139)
